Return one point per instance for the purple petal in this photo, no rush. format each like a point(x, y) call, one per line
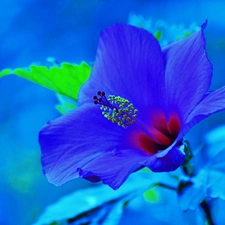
point(168, 160)
point(75, 139)
point(188, 73)
point(213, 102)
point(84, 144)
point(114, 167)
point(128, 63)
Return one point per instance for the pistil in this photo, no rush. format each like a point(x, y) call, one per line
point(154, 133)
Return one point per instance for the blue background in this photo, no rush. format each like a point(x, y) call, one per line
point(31, 31)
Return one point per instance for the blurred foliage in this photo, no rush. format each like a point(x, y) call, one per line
point(65, 80)
point(65, 104)
point(5, 72)
point(158, 35)
point(96, 205)
point(152, 195)
point(163, 31)
point(29, 168)
point(208, 178)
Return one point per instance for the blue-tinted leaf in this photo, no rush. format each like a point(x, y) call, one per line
point(115, 213)
point(209, 165)
point(166, 211)
point(97, 204)
point(217, 209)
point(107, 214)
point(190, 194)
point(163, 31)
point(215, 143)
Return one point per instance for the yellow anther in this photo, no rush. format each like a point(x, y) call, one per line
point(117, 109)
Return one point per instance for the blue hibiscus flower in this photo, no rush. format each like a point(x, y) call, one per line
point(134, 110)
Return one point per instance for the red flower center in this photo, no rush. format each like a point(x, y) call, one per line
point(159, 136)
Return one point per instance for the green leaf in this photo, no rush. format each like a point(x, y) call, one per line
point(65, 105)
point(5, 72)
point(158, 35)
point(65, 80)
point(151, 195)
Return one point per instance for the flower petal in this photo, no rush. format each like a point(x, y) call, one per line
point(129, 64)
point(169, 160)
point(75, 139)
point(84, 144)
point(188, 73)
point(114, 167)
point(213, 102)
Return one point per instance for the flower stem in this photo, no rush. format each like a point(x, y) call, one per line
point(188, 170)
point(165, 186)
point(186, 167)
point(206, 209)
